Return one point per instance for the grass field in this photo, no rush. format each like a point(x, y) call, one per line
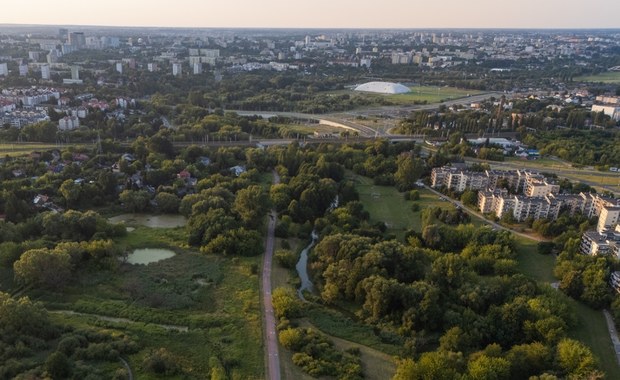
point(431, 94)
point(418, 94)
point(531, 263)
point(18, 149)
point(591, 327)
point(386, 204)
point(608, 77)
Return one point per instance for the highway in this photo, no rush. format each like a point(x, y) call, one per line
point(336, 119)
point(270, 336)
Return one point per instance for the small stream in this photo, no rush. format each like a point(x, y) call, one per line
point(302, 268)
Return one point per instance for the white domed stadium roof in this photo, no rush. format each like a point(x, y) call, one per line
point(383, 88)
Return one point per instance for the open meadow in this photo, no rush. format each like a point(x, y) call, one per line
point(608, 77)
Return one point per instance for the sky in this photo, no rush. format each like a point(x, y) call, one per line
point(317, 13)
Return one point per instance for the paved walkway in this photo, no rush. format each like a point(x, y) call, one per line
point(613, 333)
point(270, 334)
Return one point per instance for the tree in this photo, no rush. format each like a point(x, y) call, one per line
point(251, 204)
point(409, 171)
point(575, 359)
point(43, 267)
point(488, 368)
point(469, 197)
point(71, 191)
point(285, 303)
point(168, 203)
point(291, 338)
point(135, 201)
point(438, 365)
point(58, 366)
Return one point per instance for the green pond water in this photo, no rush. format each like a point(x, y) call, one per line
point(149, 255)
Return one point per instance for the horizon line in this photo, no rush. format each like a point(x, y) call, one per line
point(579, 28)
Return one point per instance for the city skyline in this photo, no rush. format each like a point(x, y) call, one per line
point(318, 14)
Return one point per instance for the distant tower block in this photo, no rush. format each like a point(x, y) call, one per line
point(177, 69)
point(45, 72)
point(119, 67)
point(75, 72)
point(197, 68)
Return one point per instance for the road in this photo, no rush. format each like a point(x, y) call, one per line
point(270, 335)
point(480, 216)
point(363, 130)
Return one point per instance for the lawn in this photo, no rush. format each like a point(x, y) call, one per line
point(534, 265)
point(386, 204)
point(592, 330)
point(591, 326)
point(608, 77)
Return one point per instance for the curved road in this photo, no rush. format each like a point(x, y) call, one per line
point(270, 335)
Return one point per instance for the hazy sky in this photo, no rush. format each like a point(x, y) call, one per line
point(318, 13)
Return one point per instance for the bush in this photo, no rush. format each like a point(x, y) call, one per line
point(286, 258)
point(161, 362)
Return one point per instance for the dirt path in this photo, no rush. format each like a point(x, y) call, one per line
point(270, 334)
point(121, 320)
point(127, 367)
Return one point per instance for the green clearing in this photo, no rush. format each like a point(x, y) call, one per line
point(534, 265)
point(591, 327)
point(592, 330)
point(608, 77)
point(386, 204)
point(216, 297)
point(18, 149)
point(432, 94)
point(418, 94)
point(377, 365)
point(337, 324)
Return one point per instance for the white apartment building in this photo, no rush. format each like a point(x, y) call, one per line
point(45, 72)
point(68, 123)
point(177, 69)
point(608, 218)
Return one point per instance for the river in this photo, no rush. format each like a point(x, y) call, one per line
point(302, 268)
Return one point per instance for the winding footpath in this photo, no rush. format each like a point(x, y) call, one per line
point(270, 336)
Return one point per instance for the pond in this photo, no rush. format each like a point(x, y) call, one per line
point(150, 220)
point(149, 255)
